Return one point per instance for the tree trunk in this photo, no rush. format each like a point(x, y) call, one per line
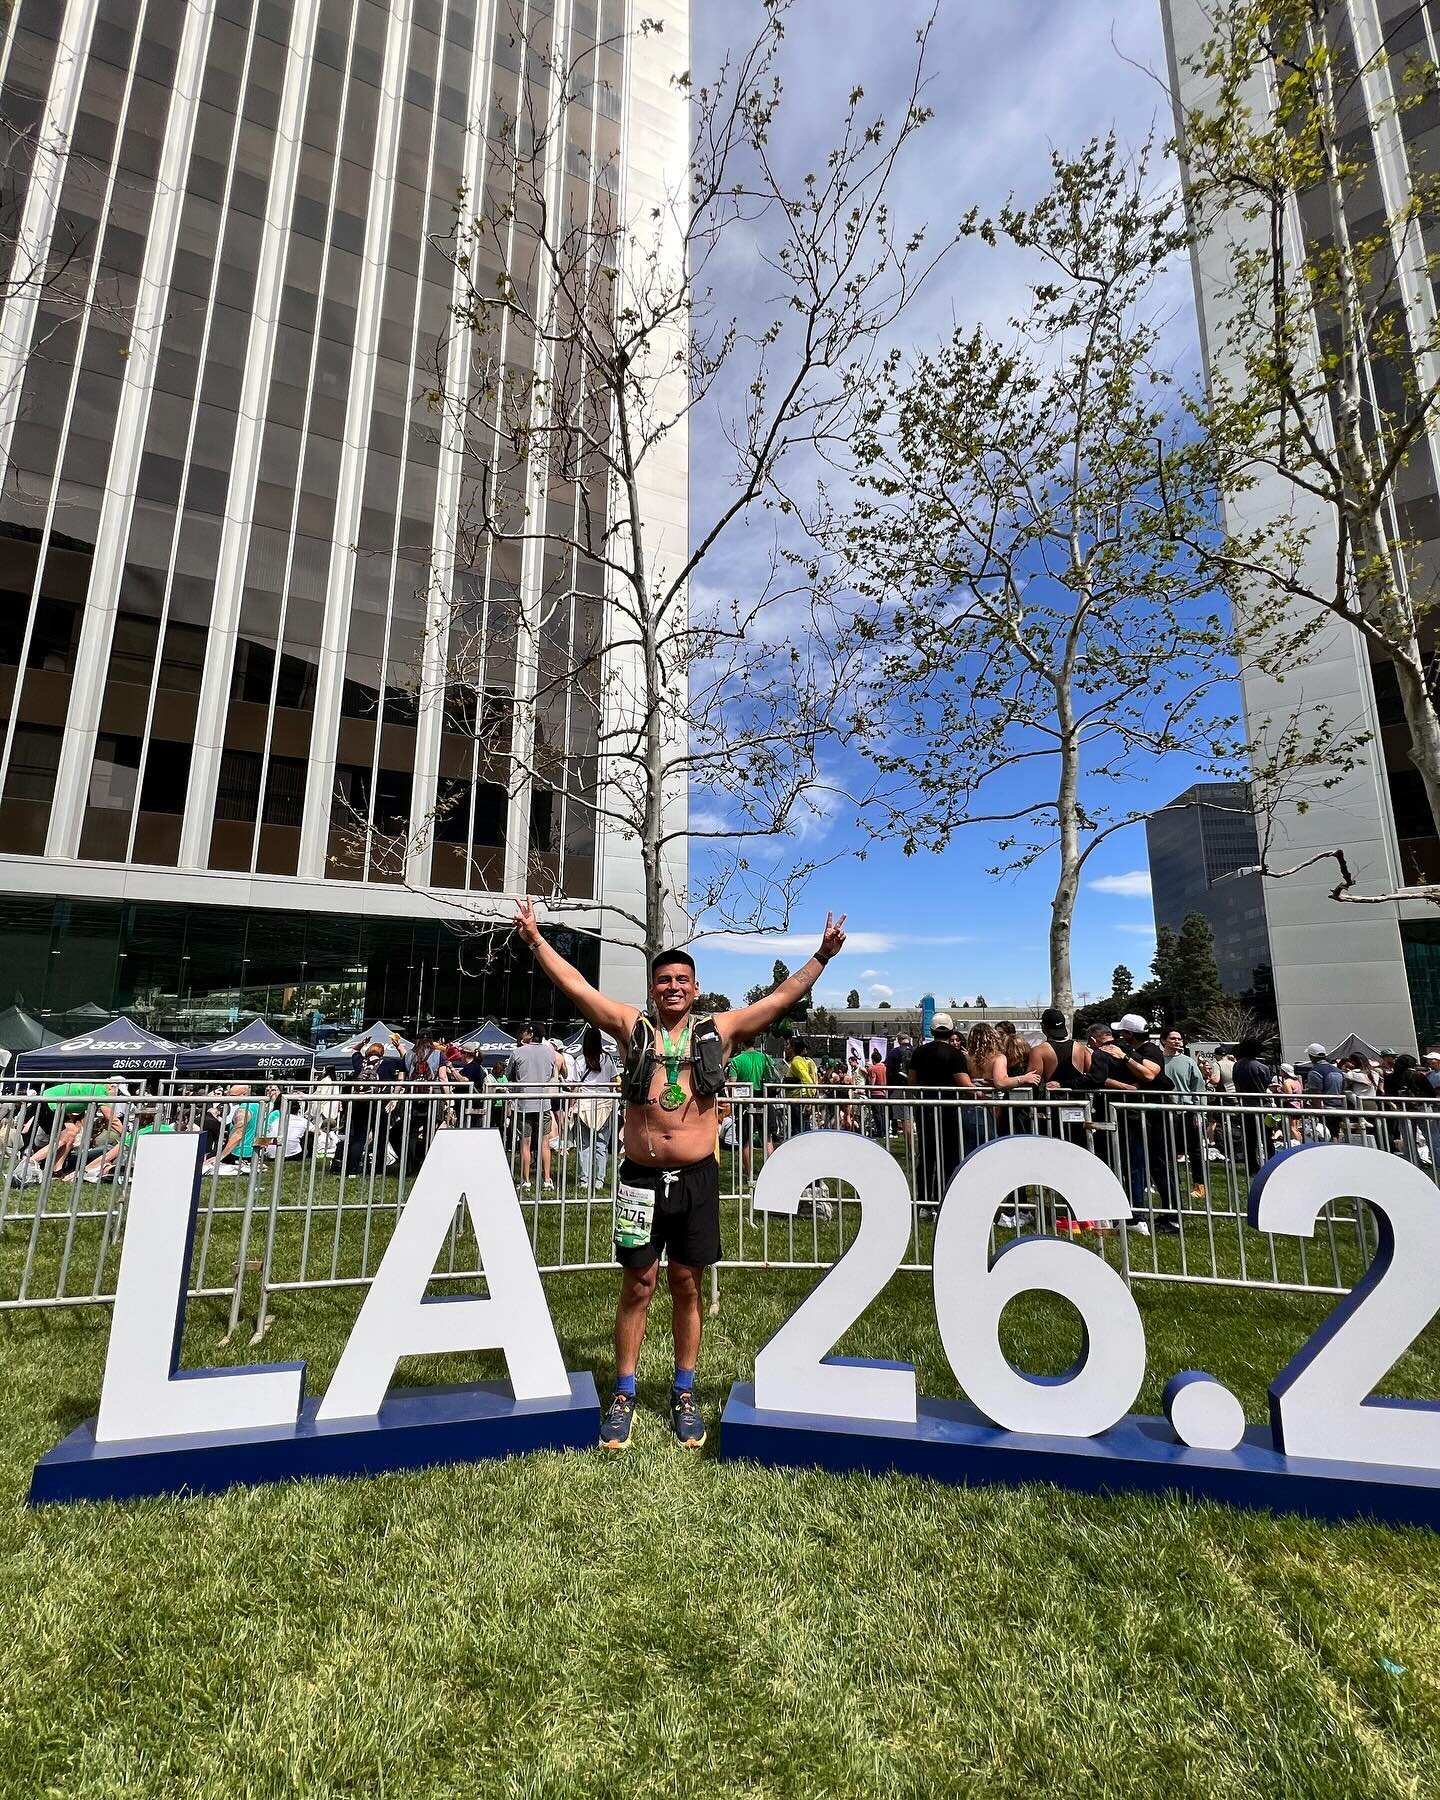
point(1424, 729)
point(1062, 907)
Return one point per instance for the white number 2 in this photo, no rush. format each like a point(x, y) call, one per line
point(1319, 1403)
point(791, 1374)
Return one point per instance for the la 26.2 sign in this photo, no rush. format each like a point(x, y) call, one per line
point(1330, 1449)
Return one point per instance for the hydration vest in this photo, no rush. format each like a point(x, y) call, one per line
point(707, 1058)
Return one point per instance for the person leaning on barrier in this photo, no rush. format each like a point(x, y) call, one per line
point(752, 1066)
point(1189, 1081)
point(1136, 1062)
point(364, 1125)
point(1253, 1078)
point(938, 1067)
point(1063, 1065)
point(879, 1083)
point(532, 1066)
point(592, 1107)
point(668, 1195)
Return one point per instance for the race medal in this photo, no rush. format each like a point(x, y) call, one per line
point(672, 1095)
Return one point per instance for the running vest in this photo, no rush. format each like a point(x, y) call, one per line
point(707, 1059)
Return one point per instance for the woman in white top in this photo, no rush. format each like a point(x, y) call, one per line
point(593, 1110)
point(286, 1127)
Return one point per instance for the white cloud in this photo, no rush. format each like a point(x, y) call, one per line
point(789, 943)
point(879, 991)
point(1136, 930)
point(870, 974)
point(1133, 886)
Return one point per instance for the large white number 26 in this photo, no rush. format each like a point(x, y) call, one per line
point(791, 1373)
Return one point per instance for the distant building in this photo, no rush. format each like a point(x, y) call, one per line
point(1196, 844)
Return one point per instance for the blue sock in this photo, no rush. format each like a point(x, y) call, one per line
point(685, 1380)
point(625, 1384)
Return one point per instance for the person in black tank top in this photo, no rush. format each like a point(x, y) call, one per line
point(1055, 1060)
point(1061, 1070)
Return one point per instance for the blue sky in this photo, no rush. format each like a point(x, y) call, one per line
point(1011, 79)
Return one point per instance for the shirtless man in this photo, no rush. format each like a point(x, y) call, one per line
point(669, 1189)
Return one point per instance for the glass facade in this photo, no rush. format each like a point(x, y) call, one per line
point(224, 532)
point(1195, 845)
point(192, 972)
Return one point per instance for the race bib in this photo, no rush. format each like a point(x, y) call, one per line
point(634, 1216)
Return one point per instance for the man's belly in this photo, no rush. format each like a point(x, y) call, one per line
point(664, 1140)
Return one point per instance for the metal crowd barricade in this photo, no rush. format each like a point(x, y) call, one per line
point(308, 1198)
point(65, 1175)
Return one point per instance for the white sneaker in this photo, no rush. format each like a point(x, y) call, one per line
point(1141, 1227)
point(1008, 1221)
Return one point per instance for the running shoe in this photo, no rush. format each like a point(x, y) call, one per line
point(686, 1420)
point(619, 1420)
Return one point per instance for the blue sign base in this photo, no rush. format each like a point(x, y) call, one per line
point(417, 1428)
point(952, 1441)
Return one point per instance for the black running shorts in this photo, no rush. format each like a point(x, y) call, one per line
point(687, 1214)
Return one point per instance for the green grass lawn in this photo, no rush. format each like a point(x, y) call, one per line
point(663, 1623)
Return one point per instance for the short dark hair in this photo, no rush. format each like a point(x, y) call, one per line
point(667, 957)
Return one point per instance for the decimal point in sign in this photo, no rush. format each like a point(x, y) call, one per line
point(1203, 1413)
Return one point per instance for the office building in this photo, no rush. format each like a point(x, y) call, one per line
point(1338, 968)
point(1197, 846)
point(228, 513)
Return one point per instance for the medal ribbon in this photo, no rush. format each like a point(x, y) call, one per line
point(674, 1094)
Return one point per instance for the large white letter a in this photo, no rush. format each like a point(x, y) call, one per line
point(397, 1320)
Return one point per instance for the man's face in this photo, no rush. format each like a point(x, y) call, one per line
point(1174, 1043)
point(674, 989)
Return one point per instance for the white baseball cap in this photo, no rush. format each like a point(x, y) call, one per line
point(1432, 1056)
point(942, 1022)
point(1314, 1050)
point(1131, 1023)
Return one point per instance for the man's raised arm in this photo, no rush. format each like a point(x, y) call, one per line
point(589, 1002)
point(747, 1023)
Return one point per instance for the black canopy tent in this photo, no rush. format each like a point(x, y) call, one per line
point(119, 1048)
point(257, 1050)
point(490, 1038)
